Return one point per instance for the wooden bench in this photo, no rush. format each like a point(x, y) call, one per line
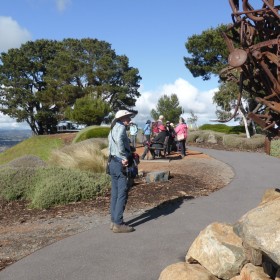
point(163, 148)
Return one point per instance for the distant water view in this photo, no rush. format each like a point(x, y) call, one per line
point(9, 138)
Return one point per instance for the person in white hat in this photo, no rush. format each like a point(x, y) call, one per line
point(119, 149)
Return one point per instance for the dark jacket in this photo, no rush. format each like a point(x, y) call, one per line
point(171, 133)
point(159, 139)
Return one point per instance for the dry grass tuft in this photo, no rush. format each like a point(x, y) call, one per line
point(85, 155)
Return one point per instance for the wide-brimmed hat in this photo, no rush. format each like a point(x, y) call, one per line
point(123, 113)
point(120, 114)
point(161, 127)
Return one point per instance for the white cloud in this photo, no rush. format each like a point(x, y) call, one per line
point(190, 98)
point(62, 4)
point(13, 35)
point(8, 123)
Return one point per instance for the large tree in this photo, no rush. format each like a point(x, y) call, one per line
point(209, 53)
point(169, 107)
point(209, 56)
point(41, 79)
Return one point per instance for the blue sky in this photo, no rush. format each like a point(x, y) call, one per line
point(151, 33)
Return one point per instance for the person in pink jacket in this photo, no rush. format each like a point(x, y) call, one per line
point(182, 133)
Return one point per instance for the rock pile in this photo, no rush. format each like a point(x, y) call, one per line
point(246, 250)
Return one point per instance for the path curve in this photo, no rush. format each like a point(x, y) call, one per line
point(161, 240)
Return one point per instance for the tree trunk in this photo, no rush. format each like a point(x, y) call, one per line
point(245, 123)
point(254, 127)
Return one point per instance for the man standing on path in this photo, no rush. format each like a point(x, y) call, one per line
point(120, 156)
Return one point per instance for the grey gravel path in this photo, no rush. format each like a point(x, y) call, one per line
point(161, 237)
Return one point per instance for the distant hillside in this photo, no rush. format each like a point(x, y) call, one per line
point(11, 137)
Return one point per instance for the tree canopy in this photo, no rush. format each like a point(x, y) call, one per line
point(209, 56)
point(88, 110)
point(41, 79)
point(169, 107)
point(209, 53)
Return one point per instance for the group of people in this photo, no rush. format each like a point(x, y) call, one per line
point(156, 133)
point(121, 157)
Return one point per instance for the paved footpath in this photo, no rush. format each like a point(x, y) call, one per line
point(161, 237)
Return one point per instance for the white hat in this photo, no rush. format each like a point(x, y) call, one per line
point(161, 117)
point(122, 113)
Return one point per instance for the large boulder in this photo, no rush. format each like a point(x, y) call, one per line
point(186, 271)
point(219, 250)
point(251, 272)
point(260, 228)
point(270, 194)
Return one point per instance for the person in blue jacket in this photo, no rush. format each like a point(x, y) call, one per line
point(147, 131)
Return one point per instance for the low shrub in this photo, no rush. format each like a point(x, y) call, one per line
point(16, 183)
point(275, 148)
point(92, 132)
point(61, 186)
point(193, 135)
point(203, 136)
point(243, 143)
point(254, 143)
point(27, 161)
point(48, 186)
point(232, 141)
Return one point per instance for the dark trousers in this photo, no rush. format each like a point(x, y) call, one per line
point(182, 146)
point(148, 138)
point(119, 191)
point(170, 145)
point(153, 152)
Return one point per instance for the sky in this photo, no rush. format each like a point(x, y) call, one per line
point(151, 33)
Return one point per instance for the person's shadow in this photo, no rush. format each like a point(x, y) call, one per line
point(163, 209)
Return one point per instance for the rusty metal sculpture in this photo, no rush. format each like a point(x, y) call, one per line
point(253, 41)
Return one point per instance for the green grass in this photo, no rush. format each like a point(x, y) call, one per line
point(40, 146)
point(92, 132)
point(223, 128)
